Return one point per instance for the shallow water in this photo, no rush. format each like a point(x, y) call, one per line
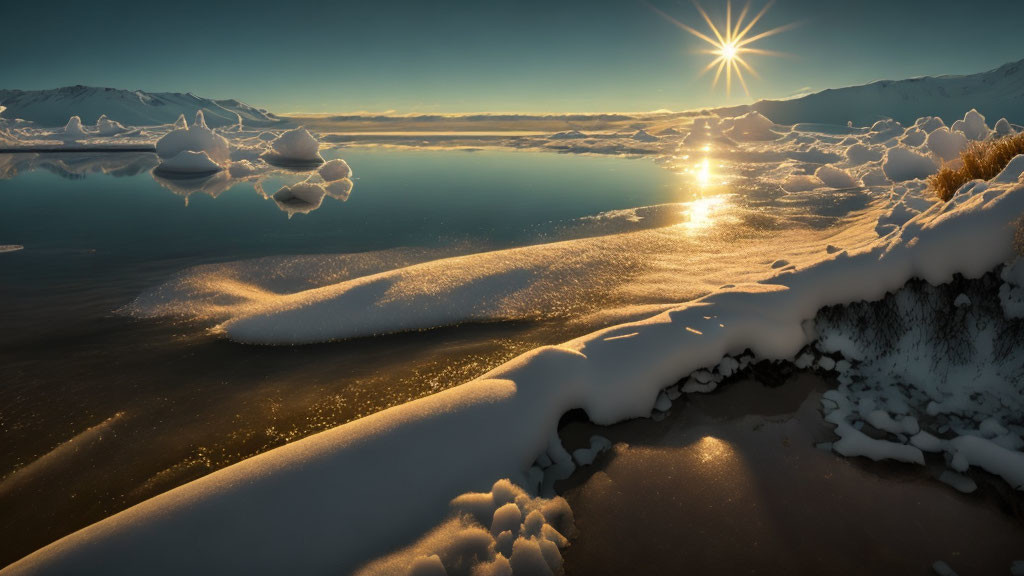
point(733, 483)
point(99, 410)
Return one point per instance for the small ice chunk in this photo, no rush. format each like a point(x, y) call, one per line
point(335, 170)
point(962, 301)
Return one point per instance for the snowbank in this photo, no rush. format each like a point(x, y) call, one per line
point(335, 500)
point(296, 146)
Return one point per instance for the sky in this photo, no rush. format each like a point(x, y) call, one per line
point(531, 56)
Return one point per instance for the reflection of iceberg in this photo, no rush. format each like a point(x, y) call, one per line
point(210, 184)
point(339, 189)
point(301, 198)
point(76, 165)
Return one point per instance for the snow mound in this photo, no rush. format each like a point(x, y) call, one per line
point(567, 135)
point(107, 127)
point(835, 177)
point(74, 130)
point(972, 126)
point(902, 164)
point(296, 146)
point(946, 144)
point(858, 154)
point(504, 531)
point(192, 143)
point(1003, 128)
point(642, 136)
point(752, 126)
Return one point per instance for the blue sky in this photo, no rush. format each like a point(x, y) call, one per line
point(485, 55)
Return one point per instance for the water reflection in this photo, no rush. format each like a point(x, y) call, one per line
point(302, 192)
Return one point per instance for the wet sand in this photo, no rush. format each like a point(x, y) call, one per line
point(732, 483)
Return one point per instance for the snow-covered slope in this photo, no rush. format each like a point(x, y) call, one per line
point(133, 108)
point(996, 93)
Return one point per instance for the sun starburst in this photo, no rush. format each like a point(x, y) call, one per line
point(730, 43)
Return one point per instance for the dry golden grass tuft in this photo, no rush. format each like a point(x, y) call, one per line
point(979, 161)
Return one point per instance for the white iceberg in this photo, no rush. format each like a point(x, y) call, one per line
point(200, 148)
point(335, 170)
point(296, 146)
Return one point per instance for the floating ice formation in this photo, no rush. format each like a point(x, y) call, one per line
point(192, 149)
point(335, 170)
point(296, 146)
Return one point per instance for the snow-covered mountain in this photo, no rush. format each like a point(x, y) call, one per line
point(996, 93)
point(135, 108)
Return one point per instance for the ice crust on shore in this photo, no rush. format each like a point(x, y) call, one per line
point(504, 424)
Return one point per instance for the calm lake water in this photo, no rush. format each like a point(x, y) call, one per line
point(100, 410)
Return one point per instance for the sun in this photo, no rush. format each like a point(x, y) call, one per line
point(730, 43)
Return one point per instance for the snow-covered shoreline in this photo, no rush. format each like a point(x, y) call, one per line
point(338, 499)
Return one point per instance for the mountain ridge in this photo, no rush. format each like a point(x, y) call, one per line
point(53, 107)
